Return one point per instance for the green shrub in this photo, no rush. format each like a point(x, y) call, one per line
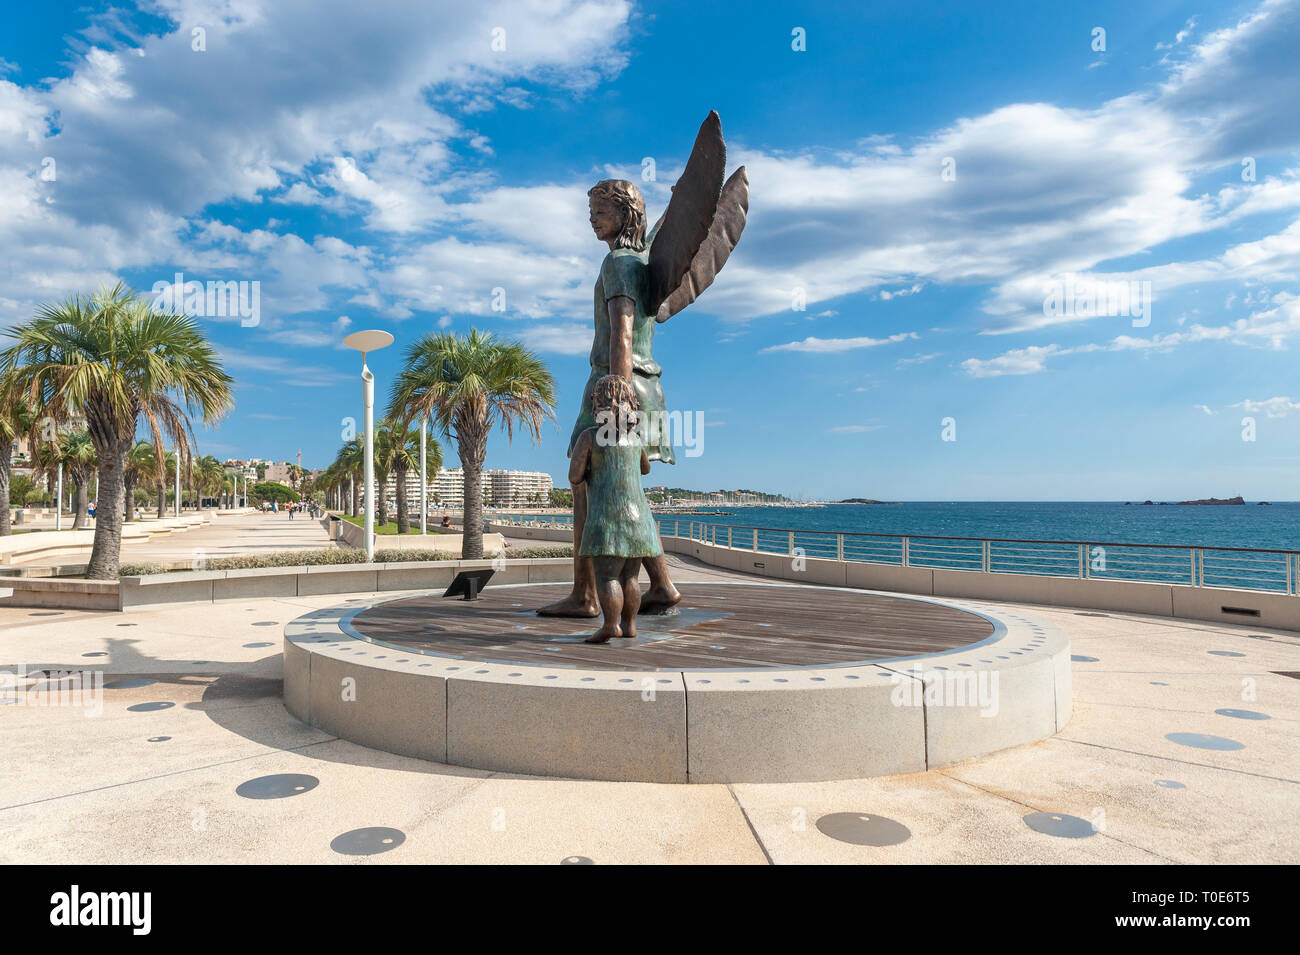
point(340, 555)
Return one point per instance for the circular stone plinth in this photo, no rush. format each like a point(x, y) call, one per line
point(745, 683)
point(716, 626)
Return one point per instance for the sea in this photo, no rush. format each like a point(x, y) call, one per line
point(1274, 526)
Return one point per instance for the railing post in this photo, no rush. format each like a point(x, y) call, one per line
point(839, 546)
point(1083, 562)
point(728, 535)
point(985, 548)
point(755, 540)
point(906, 555)
point(677, 528)
point(792, 543)
point(1193, 555)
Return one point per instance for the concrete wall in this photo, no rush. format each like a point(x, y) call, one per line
point(1278, 611)
point(208, 586)
point(24, 548)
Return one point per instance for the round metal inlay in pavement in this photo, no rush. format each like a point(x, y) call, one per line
point(368, 842)
point(1242, 714)
point(1204, 741)
point(158, 739)
point(863, 829)
point(576, 860)
point(1226, 653)
point(277, 786)
point(1075, 658)
point(255, 646)
point(150, 707)
point(1059, 824)
point(1169, 784)
point(130, 683)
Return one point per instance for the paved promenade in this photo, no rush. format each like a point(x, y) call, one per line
point(228, 535)
point(154, 777)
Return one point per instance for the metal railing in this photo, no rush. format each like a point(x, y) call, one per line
point(1236, 568)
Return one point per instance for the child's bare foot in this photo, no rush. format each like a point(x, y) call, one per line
point(604, 634)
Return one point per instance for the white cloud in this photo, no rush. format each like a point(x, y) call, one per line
point(1271, 407)
point(827, 345)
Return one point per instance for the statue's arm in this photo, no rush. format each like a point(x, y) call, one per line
point(622, 312)
point(645, 462)
point(581, 457)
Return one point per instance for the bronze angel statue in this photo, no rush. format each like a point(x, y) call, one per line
point(647, 277)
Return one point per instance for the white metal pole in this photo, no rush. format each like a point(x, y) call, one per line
point(424, 479)
point(58, 501)
point(368, 393)
point(177, 508)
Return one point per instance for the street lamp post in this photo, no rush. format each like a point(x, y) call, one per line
point(424, 478)
point(58, 502)
point(177, 506)
point(368, 341)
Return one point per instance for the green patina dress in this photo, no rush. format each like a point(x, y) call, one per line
point(619, 522)
point(626, 272)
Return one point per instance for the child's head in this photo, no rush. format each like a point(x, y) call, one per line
point(614, 393)
point(615, 406)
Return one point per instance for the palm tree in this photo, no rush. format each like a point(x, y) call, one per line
point(405, 459)
point(141, 466)
point(208, 475)
point(384, 448)
point(16, 421)
point(114, 358)
point(352, 459)
point(167, 467)
point(77, 453)
point(467, 384)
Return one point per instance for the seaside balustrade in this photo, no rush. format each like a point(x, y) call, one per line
point(1236, 568)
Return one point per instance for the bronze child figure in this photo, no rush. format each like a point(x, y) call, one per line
point(609, 458)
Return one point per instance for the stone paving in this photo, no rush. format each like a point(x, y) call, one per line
point(191, 712)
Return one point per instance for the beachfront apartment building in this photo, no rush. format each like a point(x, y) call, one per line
point(501, 488)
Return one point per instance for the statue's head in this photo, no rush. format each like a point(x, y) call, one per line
point(613, 393)
point(618, 213)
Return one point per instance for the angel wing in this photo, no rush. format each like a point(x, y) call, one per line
point(677, 237)
point(728, 223)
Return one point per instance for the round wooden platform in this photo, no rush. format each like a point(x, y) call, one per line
point(728, 626)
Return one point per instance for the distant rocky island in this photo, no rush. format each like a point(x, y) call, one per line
point(863, 500)
point(1209, 501)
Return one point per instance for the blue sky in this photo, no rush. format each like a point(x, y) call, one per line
point(381, 165)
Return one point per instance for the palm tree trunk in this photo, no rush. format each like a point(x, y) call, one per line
point(106, 554)
point(82, 489)
point(356, 495)
point(128, 494)
point(382, 505)
point(6, 450)
point(162, 499)
point(473, 449)
point(403, 518)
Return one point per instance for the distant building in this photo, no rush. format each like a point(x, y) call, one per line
point(502, 488)
point(279, 473)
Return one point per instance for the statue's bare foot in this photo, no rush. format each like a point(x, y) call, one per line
point(660, 599)
point(604, 634)
point(573, 605)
